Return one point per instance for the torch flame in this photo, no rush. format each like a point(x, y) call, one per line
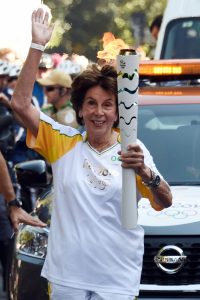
point(111, 47)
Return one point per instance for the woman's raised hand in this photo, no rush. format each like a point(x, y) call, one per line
point(41, 28)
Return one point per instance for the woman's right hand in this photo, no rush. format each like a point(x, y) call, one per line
point(41, 28)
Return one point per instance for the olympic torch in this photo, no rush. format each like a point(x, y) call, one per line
point(128, 81)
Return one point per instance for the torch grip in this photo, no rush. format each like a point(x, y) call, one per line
point(129, 214)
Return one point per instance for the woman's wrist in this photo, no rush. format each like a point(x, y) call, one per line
point(147, 175)
point(154, 181)
point(37, 46)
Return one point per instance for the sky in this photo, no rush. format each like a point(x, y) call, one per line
point(15, 24)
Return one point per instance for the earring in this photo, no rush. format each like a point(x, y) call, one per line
point(80, 114)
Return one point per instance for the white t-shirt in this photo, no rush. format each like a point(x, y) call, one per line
point(87, 246)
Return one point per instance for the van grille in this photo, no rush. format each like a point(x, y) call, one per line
point(189, 274)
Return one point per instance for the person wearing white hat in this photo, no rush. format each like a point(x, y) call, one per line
point(57, 88)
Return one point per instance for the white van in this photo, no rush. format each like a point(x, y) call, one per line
point(179, 35)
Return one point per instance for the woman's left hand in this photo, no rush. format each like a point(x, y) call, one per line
point(134, 159)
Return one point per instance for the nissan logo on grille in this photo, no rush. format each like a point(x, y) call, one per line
point(170, 259)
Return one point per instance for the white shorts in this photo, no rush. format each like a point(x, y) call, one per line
point(59, 292)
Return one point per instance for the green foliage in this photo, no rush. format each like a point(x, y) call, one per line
point(81, 23)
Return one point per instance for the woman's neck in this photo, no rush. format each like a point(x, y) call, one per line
point(104, 143)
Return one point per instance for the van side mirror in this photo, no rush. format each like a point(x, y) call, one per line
point(32, 173)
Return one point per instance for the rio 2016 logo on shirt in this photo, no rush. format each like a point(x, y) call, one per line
point(98, 176)
point(115, 158)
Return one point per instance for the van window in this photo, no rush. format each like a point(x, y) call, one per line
point(172, 135)
point(182, 39)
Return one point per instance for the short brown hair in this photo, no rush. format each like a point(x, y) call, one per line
point(105, 77)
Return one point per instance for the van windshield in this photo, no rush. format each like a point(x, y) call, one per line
point(182, 39)
point(172, 135)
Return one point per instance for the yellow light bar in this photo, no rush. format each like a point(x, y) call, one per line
point(169, 67)
point(161, 93)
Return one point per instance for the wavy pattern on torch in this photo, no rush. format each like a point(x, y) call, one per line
point(127, 134)
point(127, 90)
point(127, 107)
point(126, 75)
point(128, 123)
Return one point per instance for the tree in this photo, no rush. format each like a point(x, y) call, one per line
point(81, 23)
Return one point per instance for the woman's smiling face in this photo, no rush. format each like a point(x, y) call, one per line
point(99, 111)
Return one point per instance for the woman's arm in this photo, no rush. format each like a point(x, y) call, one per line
point(134, 158)
point(21, 99)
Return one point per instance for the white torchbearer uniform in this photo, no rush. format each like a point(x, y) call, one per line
point(87, 246)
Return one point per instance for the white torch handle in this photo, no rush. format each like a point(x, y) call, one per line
point(129, 200)
point(128, 81)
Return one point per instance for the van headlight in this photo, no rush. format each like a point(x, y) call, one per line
point(31, 244)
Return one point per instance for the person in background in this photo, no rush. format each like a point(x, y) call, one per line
point(21, 152)
point(57, 88)
point(155, 26)
point(9, 207)
point(57, 59)
point(4, 72)
point(14, 70)
point(9, 73)
point(90, 255)
point(7, 194)
point(45, 66)
point(8, 54)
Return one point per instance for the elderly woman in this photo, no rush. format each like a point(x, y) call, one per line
point(90, 255)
